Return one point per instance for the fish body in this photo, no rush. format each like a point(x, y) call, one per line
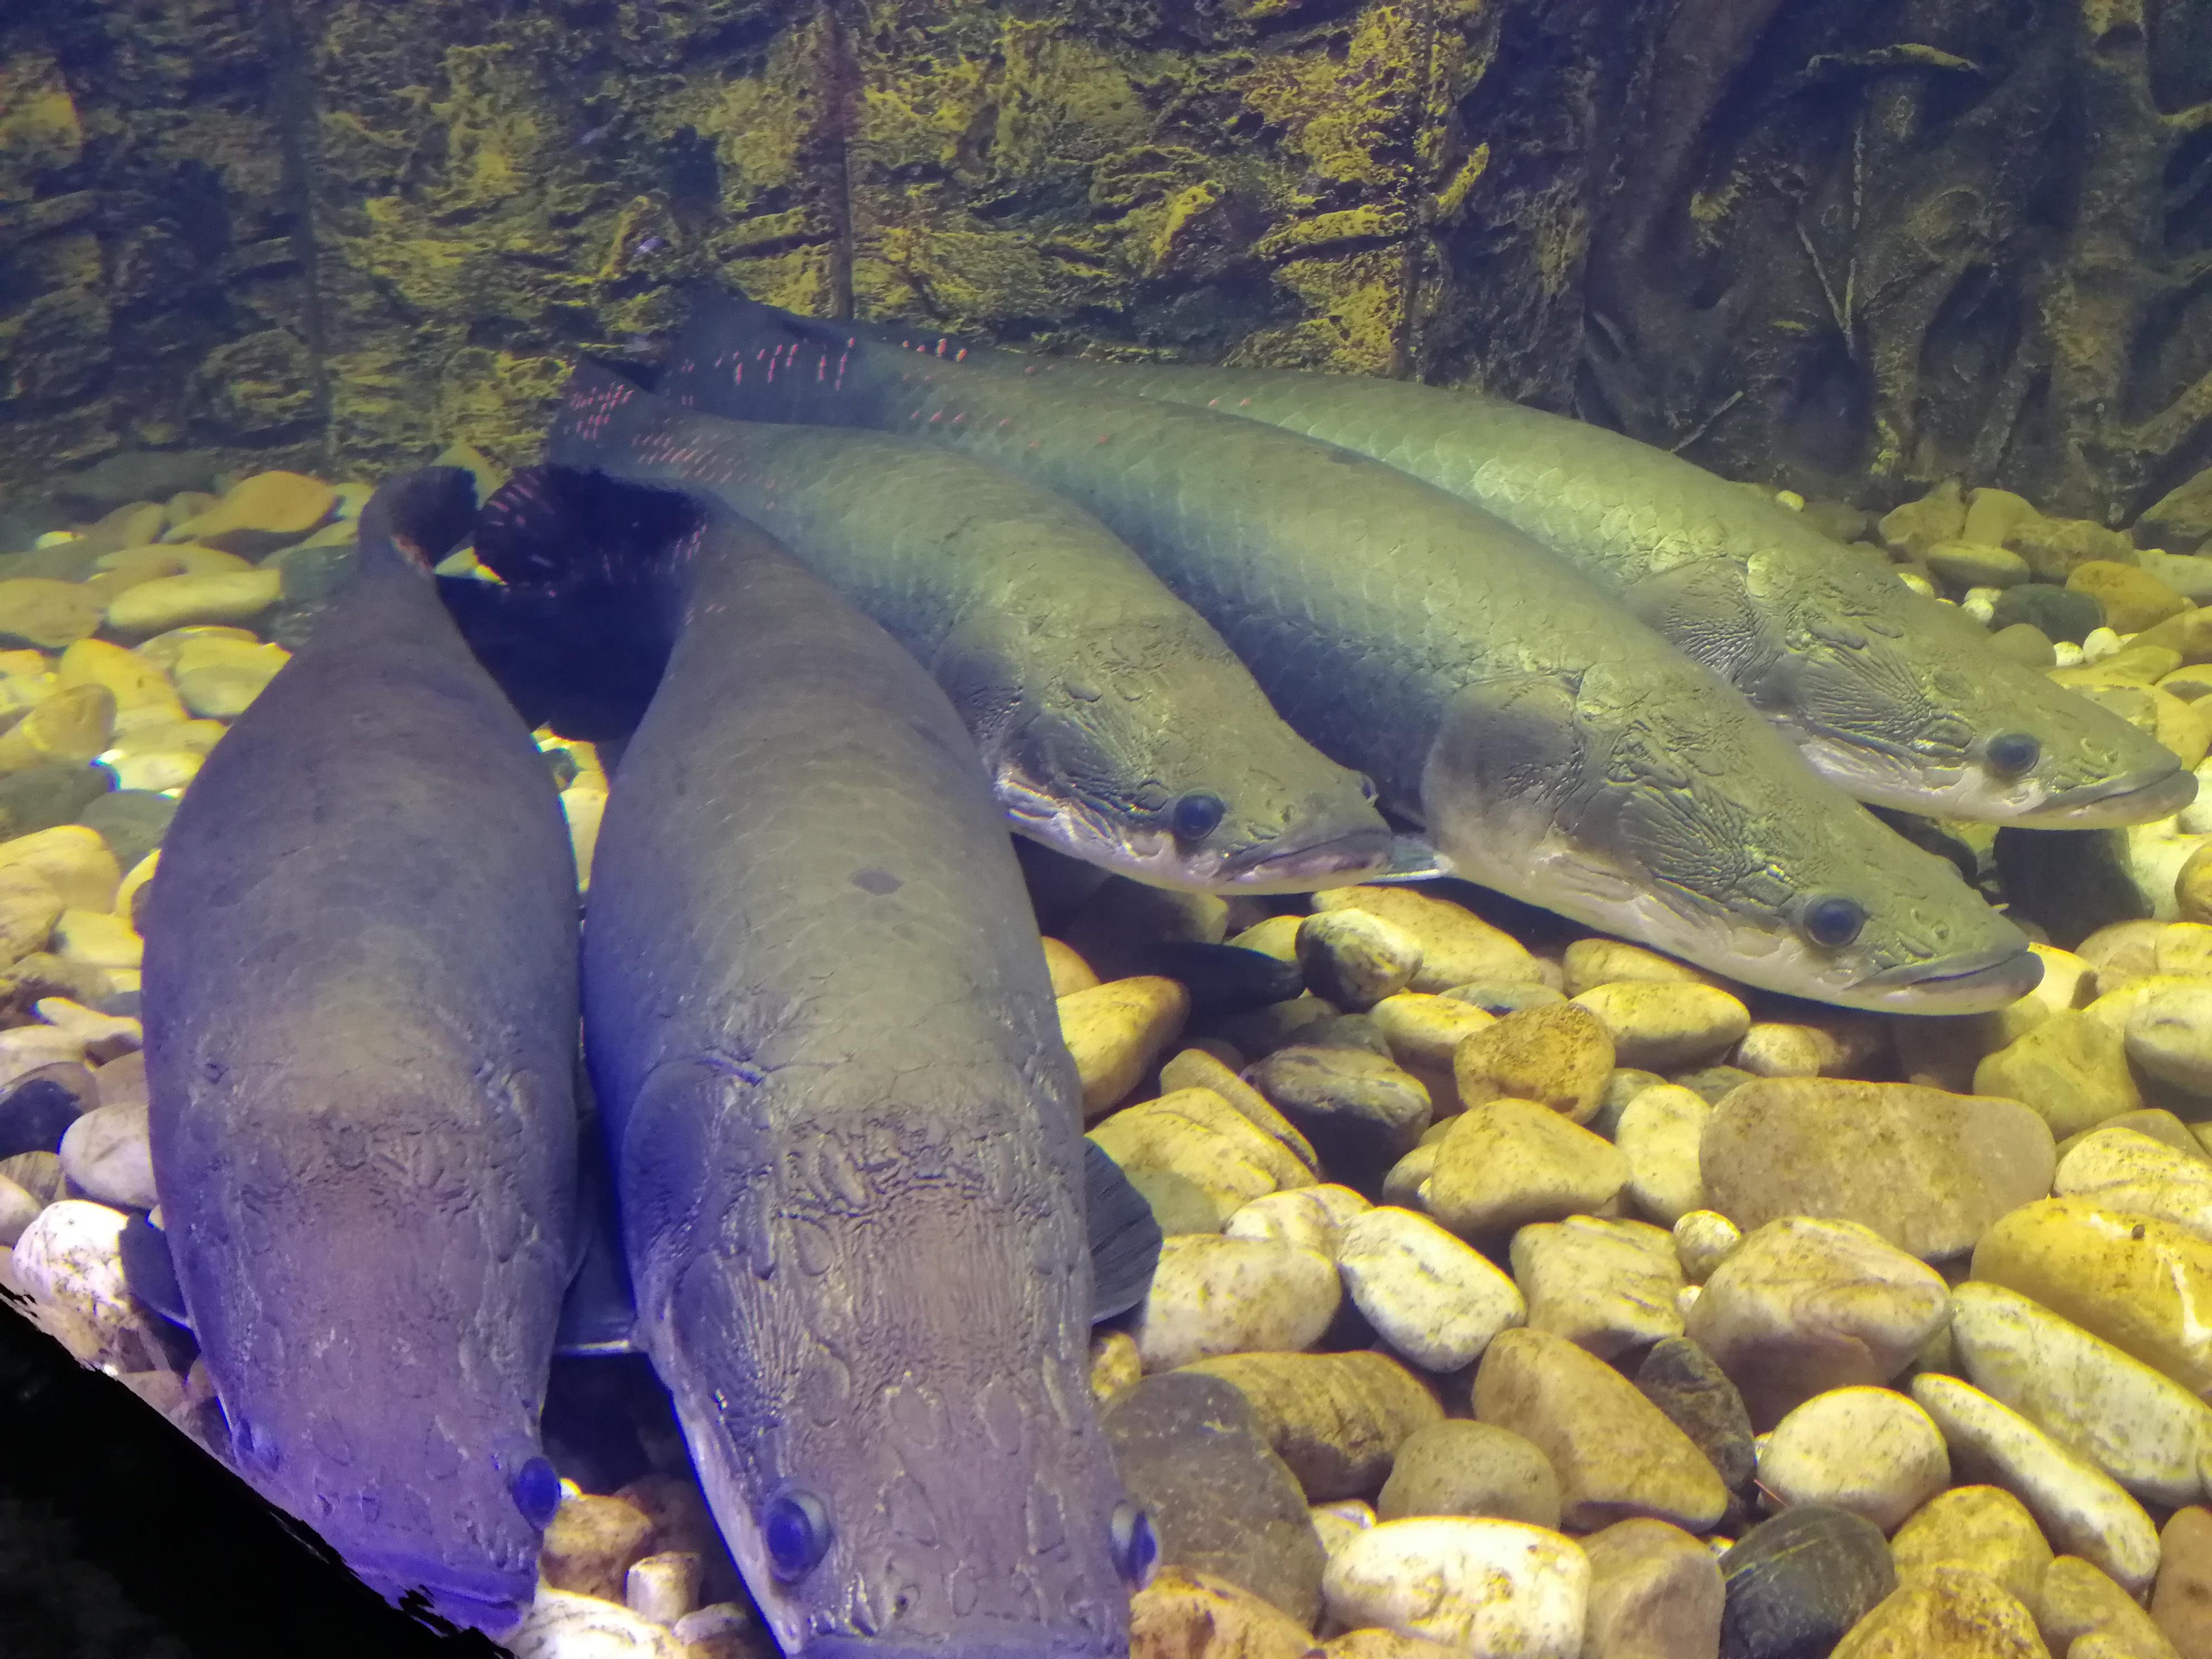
point(361, 1006)
point(1555, 748)
point(843, 1127)
point(1113, 720)
point(1899, 700)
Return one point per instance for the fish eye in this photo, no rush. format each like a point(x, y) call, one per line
point(537, 1491)
point(797, 1529)
point(1198, 815)
point(1831, 919)
point(2010, 754)
point(1368, 788)
point(1136, 1545)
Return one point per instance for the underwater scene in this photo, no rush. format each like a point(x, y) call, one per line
point(1109, 828)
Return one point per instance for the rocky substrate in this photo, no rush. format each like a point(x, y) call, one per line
point(1525, 1292)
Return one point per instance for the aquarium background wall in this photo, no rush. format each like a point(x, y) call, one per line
point(1851, 248)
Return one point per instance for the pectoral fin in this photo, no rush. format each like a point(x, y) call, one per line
point(1125, 1239)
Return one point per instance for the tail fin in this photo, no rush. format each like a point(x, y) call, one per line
point(556, 529)
point(417, 518)
point(573, 631)
point(717, 321)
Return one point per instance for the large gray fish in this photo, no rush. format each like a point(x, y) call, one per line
point(1556, 749)
point(843, 1127)
point(1117, 726)
point(361, 1007)
point(1898, 700)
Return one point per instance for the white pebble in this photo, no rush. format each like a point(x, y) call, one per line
point(71, 1255)
point(102, 1037)
point(1702, 1239)
point(1339, 1522)
point(2099, 643)
point(1658, 1133)
point(1919, 583)
point(562, 1624)
point(17, 1207)
point(1310, 1218)
point(159, 770)
point(2080, 1508)
point(722, 1624)
point(2065, 655)
point(2138, 1425)
point(26, 1047)
point(1605, 1285)
point(1870, 1451)
point(1211, 1296)
point(1430, 1295)
point(1480, 1586)
point(663, 1588)
point(109, 1154)
point(1981, 604)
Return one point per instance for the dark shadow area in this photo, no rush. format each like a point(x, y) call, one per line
point(119, 1537)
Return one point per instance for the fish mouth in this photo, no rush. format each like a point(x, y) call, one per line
point(1342, 861)
point(2123, 801)
point(1999, 978)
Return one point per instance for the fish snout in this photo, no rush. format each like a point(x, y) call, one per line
point(1338, 863)
point(1953, 985)
point(2134, 799)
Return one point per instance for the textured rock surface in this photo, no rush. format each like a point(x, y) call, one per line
point(1795, 1584)
point(1869, 1451)
point(1479, 1586)
point(1189, 1449)
point(1801, 1307)
point(1655, 1593)
point(1458, 1467)
point(1616, 1453)
point(1948, 1614)
point(1984, 1530)
point(2143, 1429)
point(1336, 1419)
point(1930, 1171)
point(1184, 1614)
point(2080, 1510)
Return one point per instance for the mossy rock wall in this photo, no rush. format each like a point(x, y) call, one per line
point(342, 233)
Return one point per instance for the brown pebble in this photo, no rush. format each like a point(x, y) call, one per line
point(2181, 1602)
point(591, 1544)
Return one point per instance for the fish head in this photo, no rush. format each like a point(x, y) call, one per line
point(1928, 719)
point(379, 1338)
point(1685, 822)
point(425, 1508)
point(876, 1340)
point(1153, 754)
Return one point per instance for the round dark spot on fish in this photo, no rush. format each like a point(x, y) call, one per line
point(879, 882)
point(1082, 690)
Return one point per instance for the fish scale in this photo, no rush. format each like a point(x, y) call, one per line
point(1494, 694)
point(360, 1024)
point(845, 1130)
point(1897, 699)
point(1099, 699)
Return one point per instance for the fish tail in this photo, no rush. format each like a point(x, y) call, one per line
point(573, 630)
point(417, 518)
point(564, 529)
